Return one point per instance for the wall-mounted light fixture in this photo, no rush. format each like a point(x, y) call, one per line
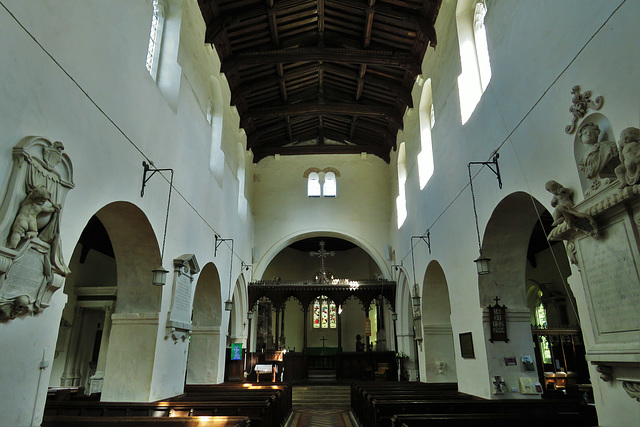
point(482, 263)
point(246, 267)
point(159, 275)
point(228, 304)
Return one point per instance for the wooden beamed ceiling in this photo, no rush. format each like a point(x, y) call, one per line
point(320, 76)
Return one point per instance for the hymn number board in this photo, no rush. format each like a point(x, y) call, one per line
point(498, 322)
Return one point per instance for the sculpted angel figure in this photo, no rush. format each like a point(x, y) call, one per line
point(628, 172)
point(602, 157)
point(562, 201)
point(25, 225)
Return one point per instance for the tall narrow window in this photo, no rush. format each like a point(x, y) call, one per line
point(313, 185)
point(316, 313)
point(482, 47)
point(401, 200)
point(474, 55)
point(155, 37)
point(427, 120)
point(329, 187)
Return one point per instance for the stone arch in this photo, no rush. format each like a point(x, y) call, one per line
point(264, 261)
point(515, 241)
point(118, 294)
point(440, 361)
point(91, 287)
point(137, 253)
point(204, 346)
point(408, 327)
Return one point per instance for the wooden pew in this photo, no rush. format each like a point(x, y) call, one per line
point(363, 393)
point(485, 420)
point(260, 413)
point(281, 394)
point(71, 421)
point(264, 405)
point(579, 414)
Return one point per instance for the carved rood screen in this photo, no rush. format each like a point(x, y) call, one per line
point(366, 291)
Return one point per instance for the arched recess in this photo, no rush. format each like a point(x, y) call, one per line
point(440, 359)
point(204, 345)
point(515, 241)
point(408, 328)
point(112, 302)
point(83, 338)
point(276, 248)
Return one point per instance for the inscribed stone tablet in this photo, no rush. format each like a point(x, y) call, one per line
point(612, 280)
point(25, 276)
point(181, 310)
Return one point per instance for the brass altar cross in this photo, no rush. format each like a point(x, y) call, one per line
point(322, 253)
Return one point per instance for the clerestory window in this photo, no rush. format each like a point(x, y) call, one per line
point(322, 182)
point(155, 37)
point(474, 55)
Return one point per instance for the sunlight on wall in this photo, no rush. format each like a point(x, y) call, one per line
point(401, 200)
point(216, 159)
point(474, 55)
point(425, 157)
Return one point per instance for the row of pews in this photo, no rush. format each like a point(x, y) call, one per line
point(219, 405)
point(409, 404)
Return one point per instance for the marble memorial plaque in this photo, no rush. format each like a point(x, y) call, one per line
point(25, 277)
point(612, 280)
point(181, 310)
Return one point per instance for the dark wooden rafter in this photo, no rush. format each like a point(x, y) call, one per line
point(321, 76)
point(322, 108)
point(342, 56)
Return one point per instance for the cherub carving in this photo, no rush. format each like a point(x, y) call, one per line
point(562, 201)
point(628, 172)
point(25, 224)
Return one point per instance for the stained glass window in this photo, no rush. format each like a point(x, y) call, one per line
point(316, 313)
point(333, 315)
point(325, 313)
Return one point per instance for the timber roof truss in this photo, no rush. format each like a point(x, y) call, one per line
point(320, 76)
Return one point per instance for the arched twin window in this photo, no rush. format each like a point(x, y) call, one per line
point(321, 183)
point(325, 313)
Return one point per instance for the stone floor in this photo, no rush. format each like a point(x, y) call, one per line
point(321, 406)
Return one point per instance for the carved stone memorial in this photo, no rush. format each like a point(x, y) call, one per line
point(184, 267)
point(31, 263)
point(603, 239)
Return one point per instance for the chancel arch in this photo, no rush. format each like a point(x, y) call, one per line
point(316, 296)
point(527, 269)
point(440, 363)
point(204, 345)
point(265, 260)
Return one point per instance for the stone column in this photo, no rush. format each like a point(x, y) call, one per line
point(69, 376)
point(95, 382)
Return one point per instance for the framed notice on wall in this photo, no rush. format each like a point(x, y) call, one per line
point(498, 322)
point(466, 346)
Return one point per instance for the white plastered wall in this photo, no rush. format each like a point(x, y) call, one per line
point(539, 51)
point(102, 47)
